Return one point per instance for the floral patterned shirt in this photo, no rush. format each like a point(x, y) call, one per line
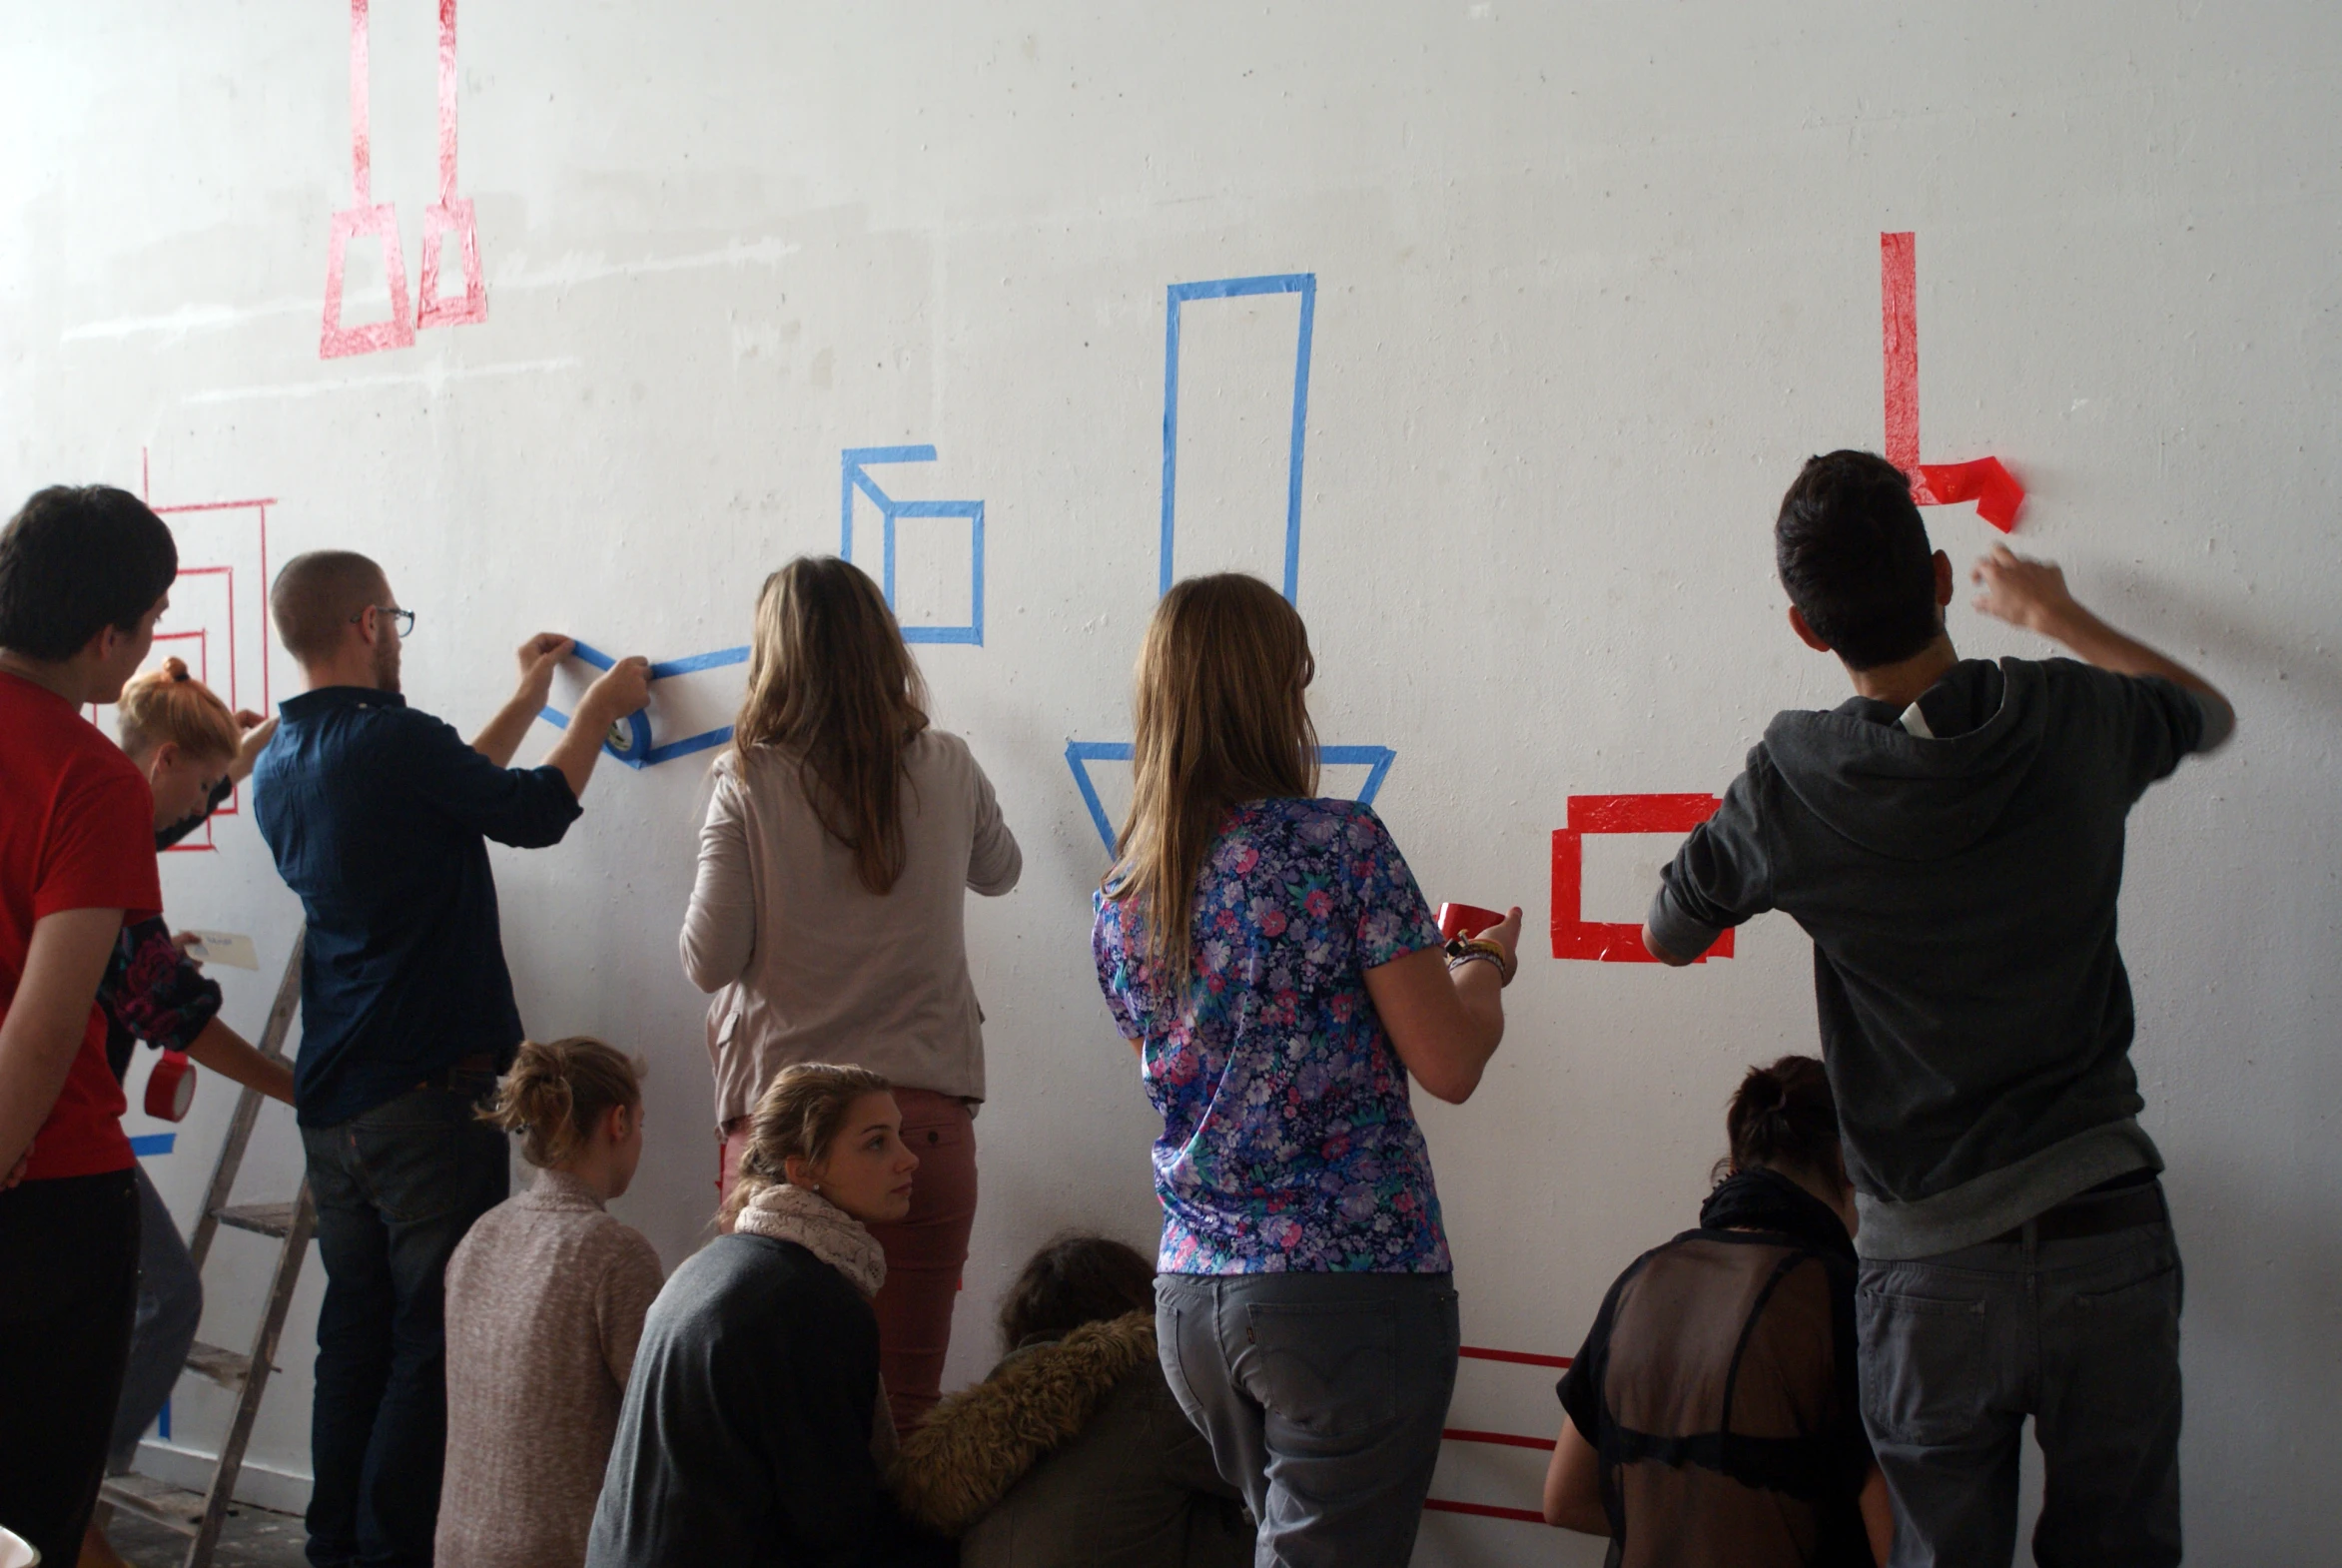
point(151, 991)
point(1288, 1143)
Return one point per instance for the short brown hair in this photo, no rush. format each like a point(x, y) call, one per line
point(1784, 1114)
point(1076, 1280)
point(316, 595)
point(75, 559)
point(558, 1090)
point(1854, 557)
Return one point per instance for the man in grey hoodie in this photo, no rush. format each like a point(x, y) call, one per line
point(1952, 840)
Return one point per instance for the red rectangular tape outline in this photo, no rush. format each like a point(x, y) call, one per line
point(1615, 941)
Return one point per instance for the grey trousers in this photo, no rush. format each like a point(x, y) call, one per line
point(1323, 1397)
point(2083, 1336)
point(169, 1304)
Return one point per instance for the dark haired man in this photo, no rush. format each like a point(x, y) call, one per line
point(1952, 840)
point(84, 576)
point(379, 816)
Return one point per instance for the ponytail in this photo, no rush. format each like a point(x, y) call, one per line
point(1784, 1114)
point(555, 1093)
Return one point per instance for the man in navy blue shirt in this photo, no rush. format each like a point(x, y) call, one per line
point(379, 816)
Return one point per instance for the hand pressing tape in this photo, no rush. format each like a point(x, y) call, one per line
point(629, 740)
point(171, 1086)
point(1465, 920)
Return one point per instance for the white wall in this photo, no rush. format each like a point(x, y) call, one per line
point(1591, 281)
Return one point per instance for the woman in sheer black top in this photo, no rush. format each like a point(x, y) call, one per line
point(1714, 1412)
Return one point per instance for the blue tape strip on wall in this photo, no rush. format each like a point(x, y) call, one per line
point(630, 739)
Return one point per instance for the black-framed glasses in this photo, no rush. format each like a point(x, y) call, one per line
point(403, 622)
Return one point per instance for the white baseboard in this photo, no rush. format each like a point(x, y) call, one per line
point(257, 1484)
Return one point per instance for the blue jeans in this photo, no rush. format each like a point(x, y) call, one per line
point(1323, 1397)
point(170, 1305)
point(396, 1188)
point(2080, 1334)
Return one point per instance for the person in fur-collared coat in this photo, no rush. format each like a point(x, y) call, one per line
point(1074, 1451)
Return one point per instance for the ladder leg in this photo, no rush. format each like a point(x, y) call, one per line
point(248, 1404)
point(248, 1109)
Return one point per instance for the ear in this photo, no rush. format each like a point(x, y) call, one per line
point(617, 1123)
point(1805, 634)
point(166, 757)
point(801, 1172)
point(1943, 580)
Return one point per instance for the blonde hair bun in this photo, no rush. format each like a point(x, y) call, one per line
point(169, 706)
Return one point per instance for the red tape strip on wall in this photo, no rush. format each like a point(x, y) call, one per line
point(1985, 481)
point(1615, 941)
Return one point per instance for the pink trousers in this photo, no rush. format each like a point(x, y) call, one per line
point(926, 1250)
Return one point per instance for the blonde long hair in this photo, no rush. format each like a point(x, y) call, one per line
point(831, 680)
point(1222, 718)
point(169, 705)
point(801, 1112)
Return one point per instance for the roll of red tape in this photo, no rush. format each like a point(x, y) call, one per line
point(1464, 920)
point(171, 1086)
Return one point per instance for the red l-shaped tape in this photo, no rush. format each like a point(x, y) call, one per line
point(1615, 941)
point(1984, 481)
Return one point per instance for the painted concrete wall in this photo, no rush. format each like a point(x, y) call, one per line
point(1589, 281)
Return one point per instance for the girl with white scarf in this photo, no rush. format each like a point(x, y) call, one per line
point(755, 1425)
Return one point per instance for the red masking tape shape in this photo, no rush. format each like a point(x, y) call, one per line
point(1464, 920)
point(1615, 941)
point(1993, 487)
point(1518, 1357)
point(1483, 1512)
point(1458, 1434)
point(1985, 481)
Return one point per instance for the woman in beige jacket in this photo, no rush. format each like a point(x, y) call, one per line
point(840, 838)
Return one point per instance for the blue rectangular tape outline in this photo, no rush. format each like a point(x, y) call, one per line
point(852, 477)
point(153, 1144)
point(1376, 760)
point(1302, 284)
point(639, 750)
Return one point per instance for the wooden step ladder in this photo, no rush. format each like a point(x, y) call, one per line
point(200, 1514)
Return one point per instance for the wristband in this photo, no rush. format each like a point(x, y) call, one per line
point(1463, 951)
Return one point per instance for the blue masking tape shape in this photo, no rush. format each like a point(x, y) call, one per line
point(854, 476)
point(1080, 753)
point(154, 1144)
point(1302, 284)
point(630, 741)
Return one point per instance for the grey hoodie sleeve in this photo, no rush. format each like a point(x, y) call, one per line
point(1721, 877)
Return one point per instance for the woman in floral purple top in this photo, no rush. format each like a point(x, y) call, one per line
point(1270, 959)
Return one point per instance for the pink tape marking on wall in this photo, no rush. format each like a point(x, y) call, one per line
point(363, 218)
point(245, 612)
point(1615, 941)
point(1984, 481)
point(451, 214)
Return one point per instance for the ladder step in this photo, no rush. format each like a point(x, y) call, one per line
point(227, 1368)
point(260, 1219)
point(172, 1508)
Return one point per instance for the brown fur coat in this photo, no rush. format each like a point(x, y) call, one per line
point(979, 1443)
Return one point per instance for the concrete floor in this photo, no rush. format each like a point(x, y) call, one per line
point(253, 1538)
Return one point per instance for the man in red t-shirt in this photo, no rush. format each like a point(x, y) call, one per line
point(84, 576)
